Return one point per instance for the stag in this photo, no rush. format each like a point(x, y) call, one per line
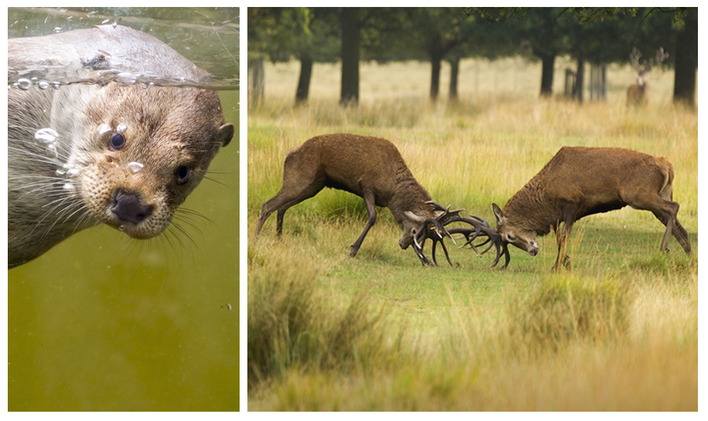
point(637, 92)
point(373, 169)
point(580, 181)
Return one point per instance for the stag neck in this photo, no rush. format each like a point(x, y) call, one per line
point(529, 209)
point(411, 197)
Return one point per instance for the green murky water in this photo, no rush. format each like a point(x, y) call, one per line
point(104, 322)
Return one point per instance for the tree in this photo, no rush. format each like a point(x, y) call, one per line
point(351, 53)
point(280, 34)
point(539, 31)
point(686, 59)
point(369, 34)
point(438, 31)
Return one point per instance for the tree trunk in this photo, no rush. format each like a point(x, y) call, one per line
point(303, 83)
point(548, 61)
point(686, 62)
point(256, 81)
point(454, 73)
point(351, 38)
point(435, 77)
point(598, 82)
point(579, 81)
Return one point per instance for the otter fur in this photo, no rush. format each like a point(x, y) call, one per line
point(84, 154)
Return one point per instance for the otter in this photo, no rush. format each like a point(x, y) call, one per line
point(122, 154)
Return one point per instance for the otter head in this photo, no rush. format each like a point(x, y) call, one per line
point(142, 151)
point(515, 234)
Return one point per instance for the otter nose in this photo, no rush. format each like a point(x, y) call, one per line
point(128, 208)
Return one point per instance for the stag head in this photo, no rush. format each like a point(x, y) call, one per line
point(514, 234)
point(644, 67)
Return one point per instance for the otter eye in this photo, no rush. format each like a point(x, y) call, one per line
point(117, 141)
point(182, 174)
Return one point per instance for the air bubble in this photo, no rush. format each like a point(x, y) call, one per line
point(135, 167)
point(104, 128)
point(126, 78)
point(69, 187)
point(121, 128)
point(24, 83)
point(72, 173)
point(121, 227)
point(43, 84)
point(52, 150)
point(46, 136)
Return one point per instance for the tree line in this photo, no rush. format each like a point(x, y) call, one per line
point(598, 36)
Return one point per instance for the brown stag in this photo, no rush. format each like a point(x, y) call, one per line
point(580, 181)
point(373, 169)
point(637, 92)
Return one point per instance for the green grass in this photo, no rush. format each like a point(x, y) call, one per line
point(381, 332)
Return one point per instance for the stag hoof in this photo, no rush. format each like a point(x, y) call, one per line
point(566, 264)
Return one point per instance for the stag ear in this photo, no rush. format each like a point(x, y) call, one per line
point(413, 217)
point(498, 213)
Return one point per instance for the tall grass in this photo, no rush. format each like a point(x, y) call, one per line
point(380, 332)
point(291, 326)
point(567, 309)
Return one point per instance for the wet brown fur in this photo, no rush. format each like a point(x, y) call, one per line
point(166, 128)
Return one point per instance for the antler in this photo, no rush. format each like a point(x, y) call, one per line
point(647, 65)
point(634, 59)
point(434, 229)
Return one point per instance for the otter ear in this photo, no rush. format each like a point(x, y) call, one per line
point(226, 133)
point(498, 213)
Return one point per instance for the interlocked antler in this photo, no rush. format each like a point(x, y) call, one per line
point(434, 229)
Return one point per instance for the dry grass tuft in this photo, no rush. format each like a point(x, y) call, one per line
point(292, 325)
point(564, 309)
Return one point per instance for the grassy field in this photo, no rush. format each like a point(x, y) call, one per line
point(381, 332)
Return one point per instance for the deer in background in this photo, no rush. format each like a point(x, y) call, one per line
point(580, 181)
point(637, 92)
point(373, 169)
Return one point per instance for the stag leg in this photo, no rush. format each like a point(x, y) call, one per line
point(370, 201)
point(673, 226)
point(665, 211)
point(288, 196)
point(562, 239)
point(679, 232)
